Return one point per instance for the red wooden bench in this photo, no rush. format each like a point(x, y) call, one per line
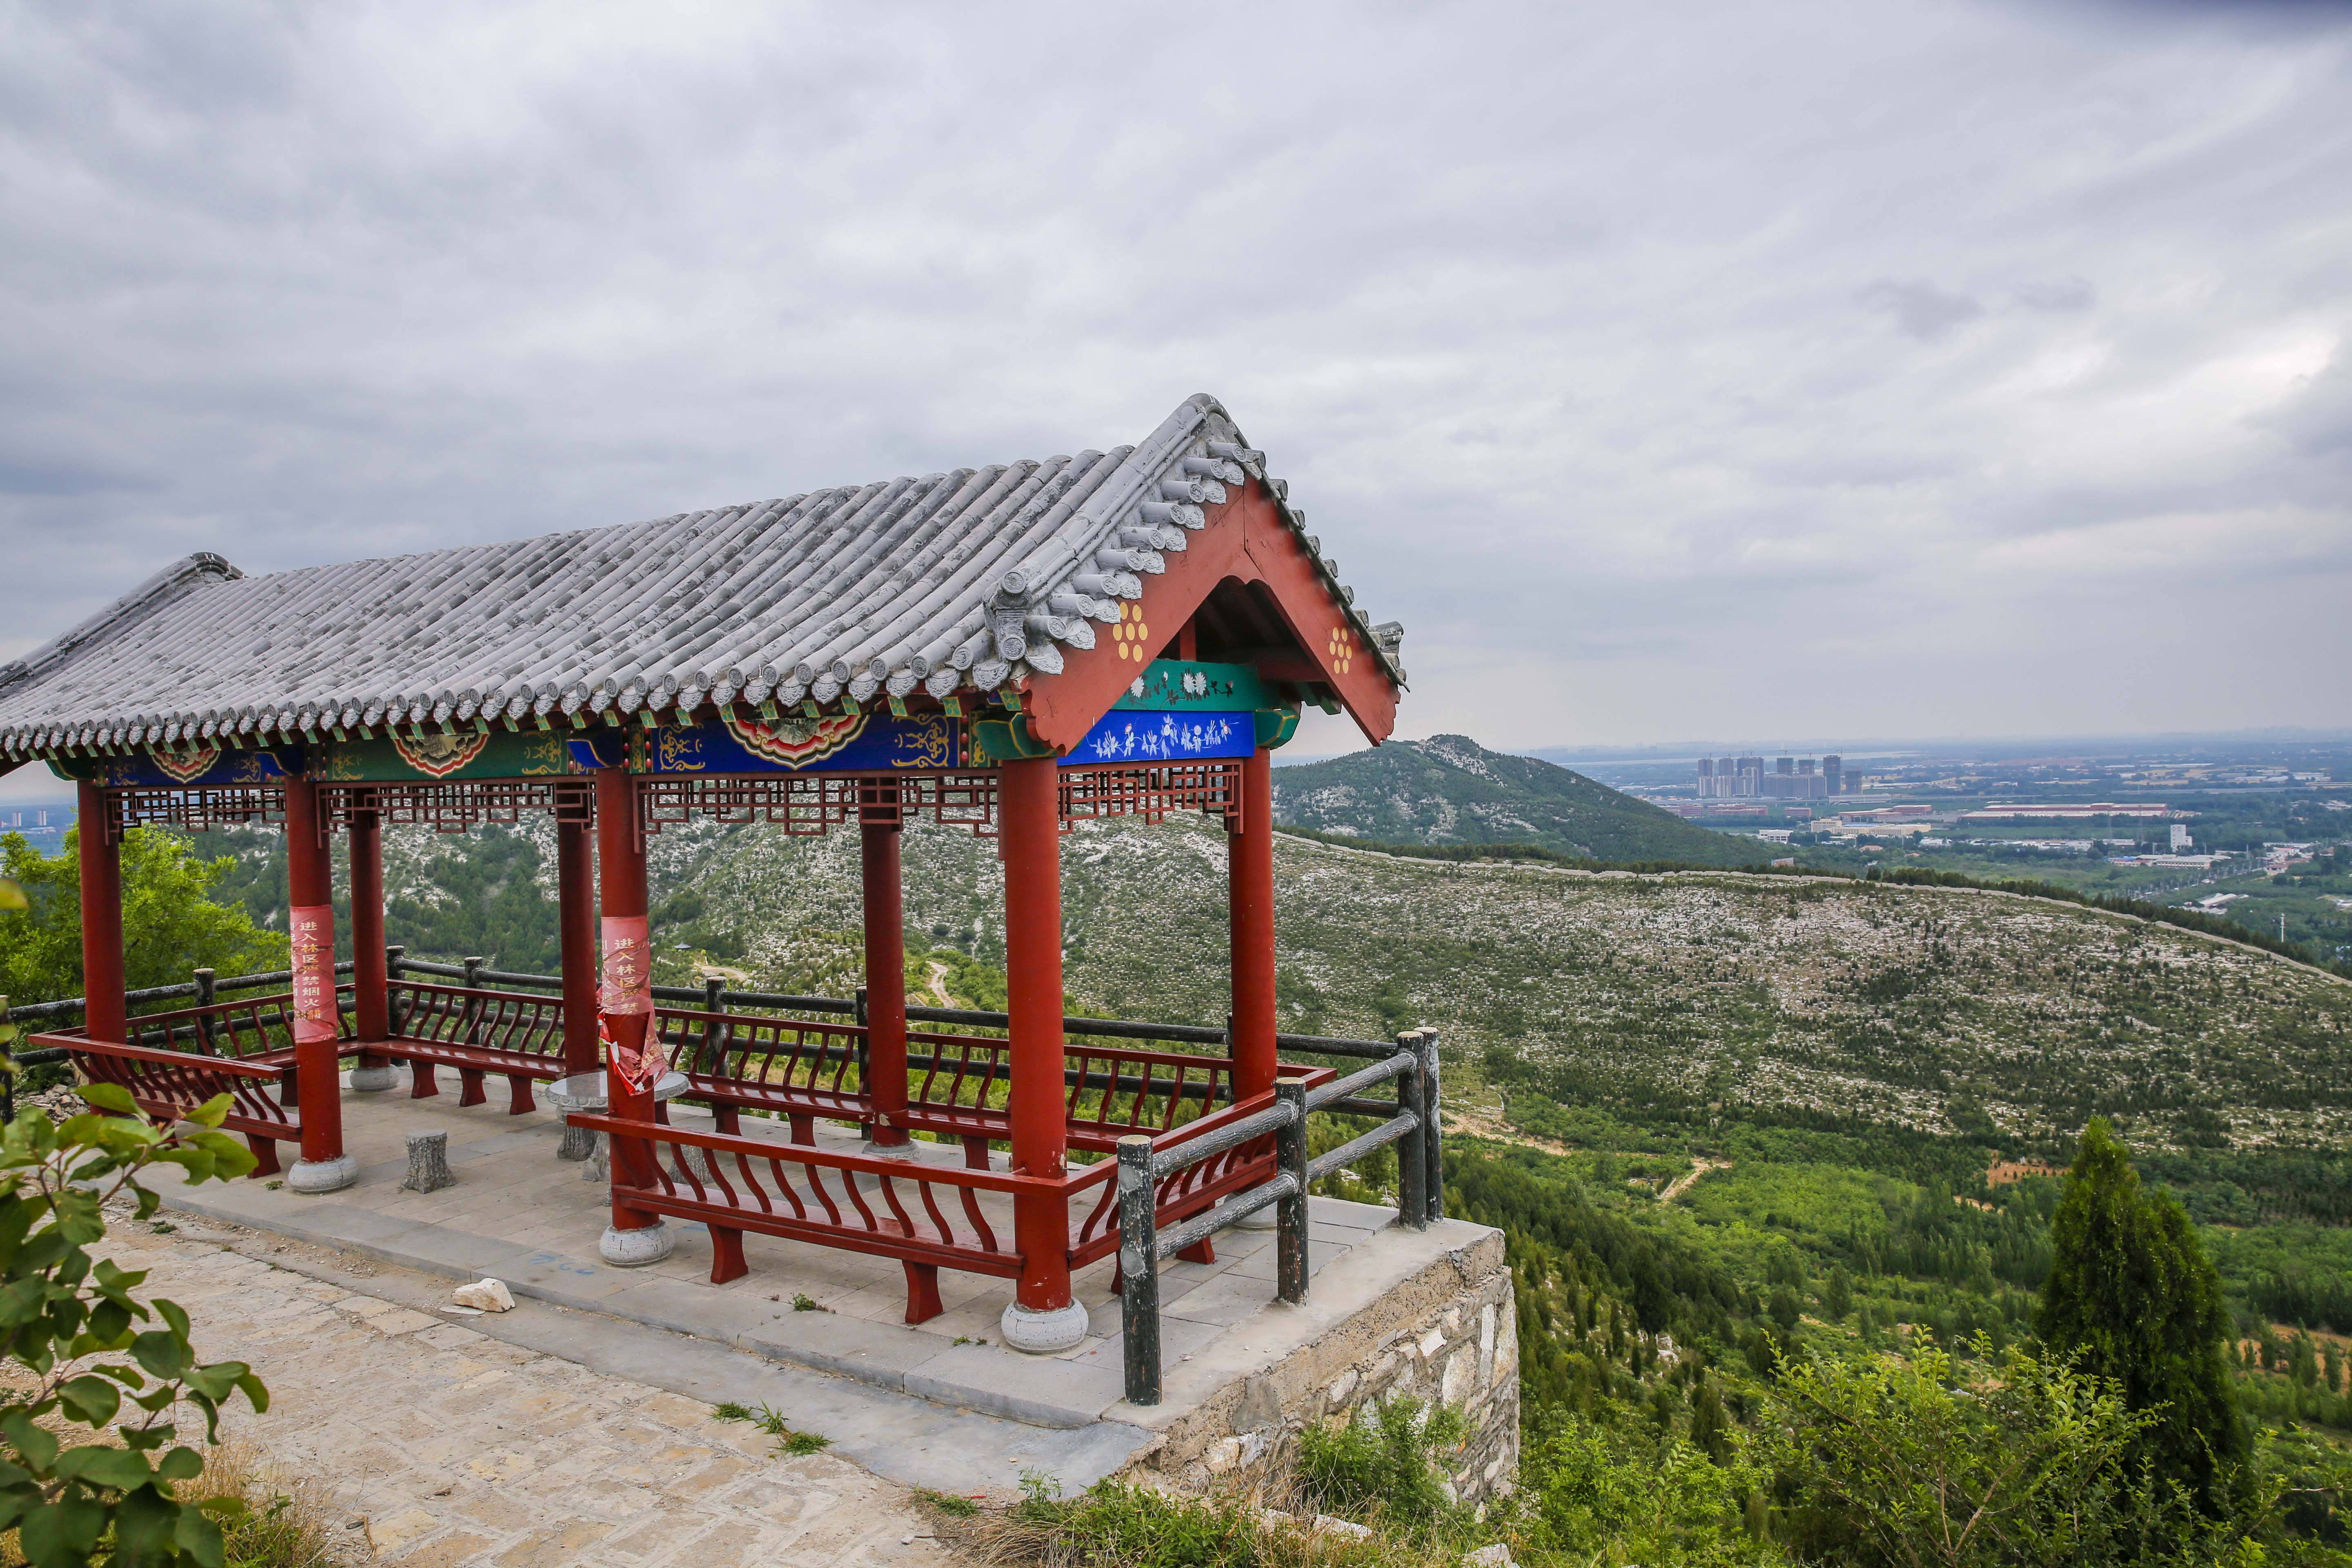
point(478, 1032)
point(884, 1208)
point(180, 1059)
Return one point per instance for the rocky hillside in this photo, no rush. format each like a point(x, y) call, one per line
point(1449, 790)
point(1942, 1009)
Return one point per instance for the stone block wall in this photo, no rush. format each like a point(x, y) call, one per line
point(1448, 1332)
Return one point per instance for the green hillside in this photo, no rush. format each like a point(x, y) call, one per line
point(1449, 790)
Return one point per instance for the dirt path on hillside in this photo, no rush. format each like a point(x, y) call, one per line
point(1486, 1122)
point(940, 984)
point(1689, 1178)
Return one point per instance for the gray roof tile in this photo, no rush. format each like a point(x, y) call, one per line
point(949, 581)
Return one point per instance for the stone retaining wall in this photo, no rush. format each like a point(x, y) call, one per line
point(1448, 1332)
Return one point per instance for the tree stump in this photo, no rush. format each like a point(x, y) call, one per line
point(428, 1164)
point(599, 1167)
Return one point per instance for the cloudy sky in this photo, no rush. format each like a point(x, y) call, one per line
point(1695, 371)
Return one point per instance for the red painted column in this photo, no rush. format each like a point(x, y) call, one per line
point(625, 999)
point(1028, 820)
point(1250, 878)
point(371, 1003)
point(575, 899)
point(102, 918)
point(318, 1014)
point(886, 967)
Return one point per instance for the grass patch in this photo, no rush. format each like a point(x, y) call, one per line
point(790, 1443)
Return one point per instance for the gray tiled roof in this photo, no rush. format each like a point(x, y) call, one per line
point(961, 580)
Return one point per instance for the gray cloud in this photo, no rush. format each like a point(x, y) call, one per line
point(1920, 309)
point(1663, 372)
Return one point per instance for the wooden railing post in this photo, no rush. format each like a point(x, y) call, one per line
point(1139, 1268)
point(1290, 1212)
point(207, 991)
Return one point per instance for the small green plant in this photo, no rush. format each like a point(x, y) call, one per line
point(805, 1303)
point(71, 1322)
point(776, 1424)
point(1384, 1460)
point(947, 1503)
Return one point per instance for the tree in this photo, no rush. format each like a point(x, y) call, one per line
point(169, 923)
point(2132, 1293)
point(71, 1326)
point(1837, 1293)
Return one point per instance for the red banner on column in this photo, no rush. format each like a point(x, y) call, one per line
point(626, 972)
point(317, 1015)
point(626, 990)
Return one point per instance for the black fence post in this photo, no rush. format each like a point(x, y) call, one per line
point(396, 1005)
point(1139, 1266)
point(1291, 1211)
point(714, 1000)
point(7, 1066)
point(473, 982)
point(207, 992)
point(1432, 1130)
point(1413, 1163)
point(863, 1051)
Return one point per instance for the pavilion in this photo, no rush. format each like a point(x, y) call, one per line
point(1011, 648)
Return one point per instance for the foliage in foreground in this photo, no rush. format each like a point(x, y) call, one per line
point(2011, 1458)
point(71, 1328)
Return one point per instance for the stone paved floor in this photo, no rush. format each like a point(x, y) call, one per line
point(440, 1445)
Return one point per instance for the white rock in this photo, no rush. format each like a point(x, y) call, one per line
point(1328, 1525)
point(1495, 1556)
point(484, 1295)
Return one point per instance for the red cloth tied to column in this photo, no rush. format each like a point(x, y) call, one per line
point(626, 991)
point(317, 1014)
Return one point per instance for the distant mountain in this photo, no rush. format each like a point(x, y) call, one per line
point(1451, 790)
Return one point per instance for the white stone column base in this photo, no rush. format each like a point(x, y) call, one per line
point(909, 1150)
point(1044, 1333)
point(374, 1081)
point(636, 1249)
point(323, 1175)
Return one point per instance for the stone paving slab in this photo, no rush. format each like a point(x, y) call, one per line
point(438, 1445)
point(521, 1214)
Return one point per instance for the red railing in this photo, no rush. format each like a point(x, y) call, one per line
point(489, 1020)
point(746, 1061)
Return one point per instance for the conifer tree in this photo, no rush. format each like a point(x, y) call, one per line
point(2132, 1292)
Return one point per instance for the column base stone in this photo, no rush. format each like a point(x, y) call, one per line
point(1044, 1333)
point(373, 1080)
point(323, 1175)
point(636, 1249)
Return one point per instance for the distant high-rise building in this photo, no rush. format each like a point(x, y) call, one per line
point(1833, 773)
point(1784, 765)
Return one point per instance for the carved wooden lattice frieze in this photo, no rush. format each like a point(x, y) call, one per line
point(810, 804)
point(455, 806)
point(218, 806)
point(1152, 792)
